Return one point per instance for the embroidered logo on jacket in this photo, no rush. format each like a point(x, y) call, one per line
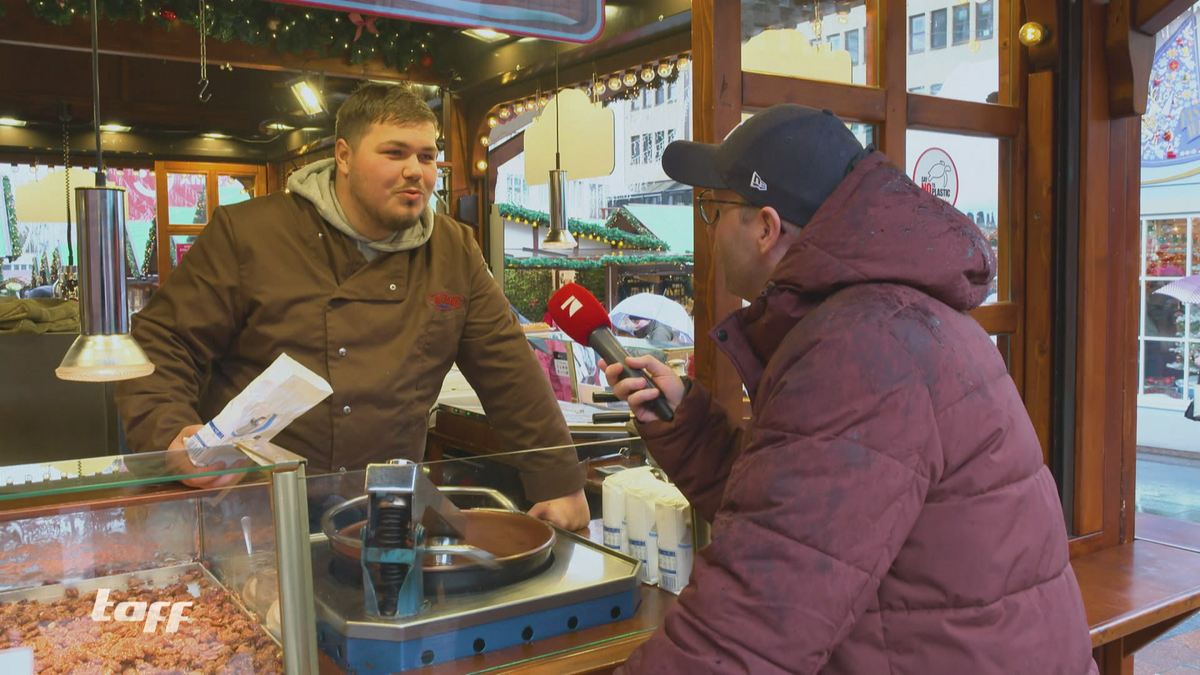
point(445, 301)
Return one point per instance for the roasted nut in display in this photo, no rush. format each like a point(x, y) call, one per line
point(217, 639)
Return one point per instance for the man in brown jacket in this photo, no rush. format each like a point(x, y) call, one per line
point(353, 275)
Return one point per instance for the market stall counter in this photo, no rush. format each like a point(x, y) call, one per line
point(111, 565)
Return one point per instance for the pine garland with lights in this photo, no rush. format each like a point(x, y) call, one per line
point(596, 263)
point(287, 28)
point(10, 207)
point(150, 255)
point(580, 229)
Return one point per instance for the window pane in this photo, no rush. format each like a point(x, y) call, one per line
point(962, 67)
point(1166, 247)
point(635, 148)
point(916, 33)
point(1162, 363)
point(962, 23)
point(964, 171)
point(235, 189)
point(1164, 314)
point(830, 41)
point(187, 198)
point(852, 46)
point(179, 246)
point(937, 33)
point(983, 20)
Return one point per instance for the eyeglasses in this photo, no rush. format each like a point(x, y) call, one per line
point(709, 211)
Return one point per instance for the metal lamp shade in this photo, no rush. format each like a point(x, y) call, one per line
point(104, 350)
point(558, 238)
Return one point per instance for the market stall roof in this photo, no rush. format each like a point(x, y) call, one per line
point(673, 224)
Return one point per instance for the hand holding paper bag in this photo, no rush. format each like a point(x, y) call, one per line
point(283, 392)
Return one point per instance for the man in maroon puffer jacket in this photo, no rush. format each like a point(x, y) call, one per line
point(886, 510)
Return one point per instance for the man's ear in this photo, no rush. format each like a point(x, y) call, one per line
point(768, 229)
point(341, 155)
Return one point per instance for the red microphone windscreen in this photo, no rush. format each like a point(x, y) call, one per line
point(577, 312)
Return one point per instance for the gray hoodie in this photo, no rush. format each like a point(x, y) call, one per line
point(315, 183)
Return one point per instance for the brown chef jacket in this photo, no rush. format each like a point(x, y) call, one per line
point(269, 276)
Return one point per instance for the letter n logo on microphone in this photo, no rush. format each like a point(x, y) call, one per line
point(574, 304)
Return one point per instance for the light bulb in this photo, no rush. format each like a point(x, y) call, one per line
point(630, 79)
point(664, 70)
point(505, 113)
point(598, 88)
point(492, 121)
point(485, 141)
point(683, 63)
point(647, 75)
point(519, 107)
point(481, 165)
point(614, 83)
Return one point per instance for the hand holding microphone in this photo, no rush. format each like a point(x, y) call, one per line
point(581, 316)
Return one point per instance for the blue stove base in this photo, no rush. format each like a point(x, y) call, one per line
point(361, 656)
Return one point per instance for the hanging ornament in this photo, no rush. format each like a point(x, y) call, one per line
point(1174, 65)
point(426, 60)
point(166, 14)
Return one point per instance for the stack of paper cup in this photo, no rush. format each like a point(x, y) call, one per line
point(673, 520)
point(613, 506)
point(640, 499)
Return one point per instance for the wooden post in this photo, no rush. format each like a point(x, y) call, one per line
point(717, 91)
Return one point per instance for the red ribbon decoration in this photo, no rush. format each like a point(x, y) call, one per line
point(360, 23)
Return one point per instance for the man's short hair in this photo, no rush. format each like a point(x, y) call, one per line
point(377, 103)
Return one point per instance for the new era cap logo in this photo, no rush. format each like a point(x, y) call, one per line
point(757, 183)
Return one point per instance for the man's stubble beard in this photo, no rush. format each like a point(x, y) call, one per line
point(390, 223)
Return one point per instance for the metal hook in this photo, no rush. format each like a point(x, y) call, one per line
point(203, 88)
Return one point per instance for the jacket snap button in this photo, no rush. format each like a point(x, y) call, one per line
point(722, 335)
point(346, 410)
point(342, 351)
point(393, 287)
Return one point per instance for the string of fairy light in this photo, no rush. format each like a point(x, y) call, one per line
point(620, 84)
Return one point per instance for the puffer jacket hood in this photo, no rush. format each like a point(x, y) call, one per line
point(880, 227)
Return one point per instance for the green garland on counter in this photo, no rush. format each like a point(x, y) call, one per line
point(584, 230)
point(595, 263)
point(287, 28)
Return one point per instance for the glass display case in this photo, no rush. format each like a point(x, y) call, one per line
point(110, 565)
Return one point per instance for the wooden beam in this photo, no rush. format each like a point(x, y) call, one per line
point(717, 102)
point(182, 43)
point(1151, 16)
point(1130, 54)
point(1039, 260)
point(962, 117)
point(850, 102)
point(893, 68)
point(997, 318)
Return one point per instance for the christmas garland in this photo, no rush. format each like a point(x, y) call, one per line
point(584, 230)
point(10, 207)
point(287, 28)
point(595, 263)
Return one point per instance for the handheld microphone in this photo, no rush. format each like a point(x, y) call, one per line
point(580, 315)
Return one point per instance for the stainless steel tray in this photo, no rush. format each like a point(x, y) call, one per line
point(581, 570)
point(160, 577)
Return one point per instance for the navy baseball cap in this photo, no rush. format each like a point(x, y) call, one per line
point(789, 157)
